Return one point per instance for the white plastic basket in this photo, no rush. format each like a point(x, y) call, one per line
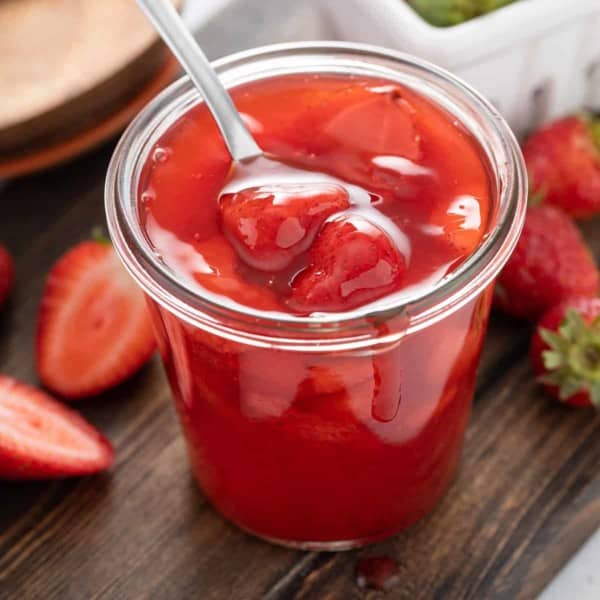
point(534, 59)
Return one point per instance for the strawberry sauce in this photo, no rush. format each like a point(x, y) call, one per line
point(375, 195)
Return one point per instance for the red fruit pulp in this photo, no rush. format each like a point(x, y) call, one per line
point(270, 225)
point(378, 193)
point(352, 262)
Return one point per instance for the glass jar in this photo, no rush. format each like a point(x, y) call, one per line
point(334, 431)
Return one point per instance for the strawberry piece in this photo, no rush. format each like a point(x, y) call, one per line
point(322, 419)
point(40, 438)
point(272, 224)
point(7, 274)
point(563, 160)
point(352, 262)
point(381, 125)
point(550, 263)
point(565, 351)
point(93, 329)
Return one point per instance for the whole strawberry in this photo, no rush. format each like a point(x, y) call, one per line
point(563, 161)
point(565, 351)
point(7, 274)
point(550, 263)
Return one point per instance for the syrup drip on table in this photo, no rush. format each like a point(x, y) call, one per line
point(377, 572)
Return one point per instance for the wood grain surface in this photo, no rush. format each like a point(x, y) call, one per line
point(528, 492)
point(527, 495)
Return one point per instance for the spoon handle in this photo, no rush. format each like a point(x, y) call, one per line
point(166, 20)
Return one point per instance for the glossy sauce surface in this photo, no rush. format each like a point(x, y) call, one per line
point(363, 155)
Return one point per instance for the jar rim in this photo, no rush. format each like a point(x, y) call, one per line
point(464, 283)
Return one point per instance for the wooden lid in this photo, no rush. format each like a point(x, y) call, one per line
point(63, 60)
point(22, 163)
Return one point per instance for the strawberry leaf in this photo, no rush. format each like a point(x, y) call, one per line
point(554, 340)
point(569, 388)
point(572, 360)
point(552, 359)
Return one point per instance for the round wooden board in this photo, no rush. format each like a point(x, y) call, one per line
point(68, 62)
point(61, 151)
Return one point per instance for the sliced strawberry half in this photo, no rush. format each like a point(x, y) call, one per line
point(94, 329)
point(41, 438)
point(272, 224)
point(352, 262)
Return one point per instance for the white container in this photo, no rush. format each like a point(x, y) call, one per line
point(534, 59)
point(196, 13)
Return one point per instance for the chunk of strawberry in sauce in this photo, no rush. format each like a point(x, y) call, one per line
point(383, 124)
point(272, 224)
point(352, 262)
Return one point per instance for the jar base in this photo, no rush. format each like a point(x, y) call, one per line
point(318, 546)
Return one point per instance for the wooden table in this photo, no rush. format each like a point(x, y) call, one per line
point(527, 495)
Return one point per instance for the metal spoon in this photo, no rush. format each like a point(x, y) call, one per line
point(167, 22)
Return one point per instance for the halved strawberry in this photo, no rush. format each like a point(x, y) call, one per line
point(272, 224)
point(7, 274)
point(352, 262)
point(94, 329)
point(41, 438)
